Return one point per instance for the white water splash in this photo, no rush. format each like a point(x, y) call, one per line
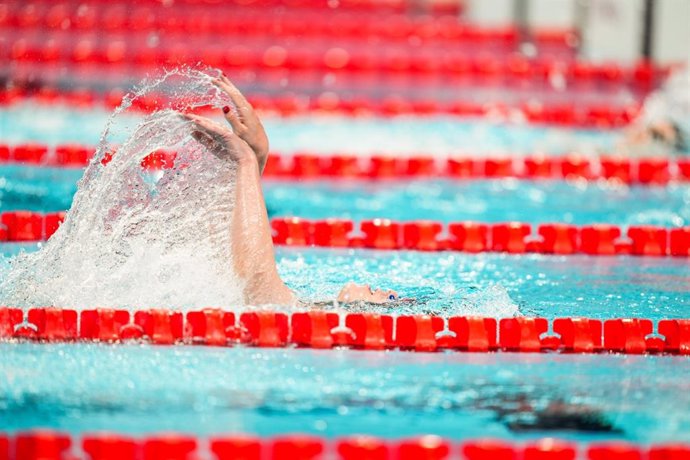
point(138, 240)
point(133, 239)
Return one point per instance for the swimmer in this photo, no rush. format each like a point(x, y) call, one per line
point(246, 147)
point(663, 126)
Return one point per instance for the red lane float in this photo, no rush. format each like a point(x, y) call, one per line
point(424, 448)
point(489, 449)
point(469, 236)
point(297, 447)
point(291, 231)
point(381, 234)
point(237, 446)
point(327, 329)
point(54, 445)
point(630, 336)
point(169, 447)
point(362, 448)
point(23, 225)
point(306, 165)
point(579, 335)
point(679, 242)
point(616, 168)
point(70, 155)
point(108, 446)
point(471, 333)
point(550, 449)
point(615, 451)
point(422, 235)
point(314, 329)
point(332, 232)
point(511, 237)
point(211, 327)
point(677, 334)
point(523, 334)
point(370, 331)
point(265, 328)
point(599, 239)
point(292, 105)
point(558, 238)
point(648, 240)
point(40, 445)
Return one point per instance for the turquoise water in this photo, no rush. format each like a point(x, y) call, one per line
point(430, 135)
point(483, 200)
point(37, 189)
point(490, 284)
point(52, 189)
point(204, 390)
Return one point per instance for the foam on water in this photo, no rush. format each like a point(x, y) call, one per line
point(138, 239)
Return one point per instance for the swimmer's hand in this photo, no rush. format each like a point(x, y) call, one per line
point(220, 140)
point(245, 123)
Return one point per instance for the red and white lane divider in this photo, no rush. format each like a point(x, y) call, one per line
point(54, 445)
point(474, 237)
point(306, 165)
point(511, 237)
point(367, 331)
point(600, 116)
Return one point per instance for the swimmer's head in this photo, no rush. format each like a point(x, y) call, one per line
point(660, 138)
point(364, 293)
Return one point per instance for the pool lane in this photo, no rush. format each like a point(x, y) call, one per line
point(496, 285)
point(204, 390)
point(52, 189)
point(407, 135)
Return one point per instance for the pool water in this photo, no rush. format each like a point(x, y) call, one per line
point(138, 389)
point(334, 134)
point(500, 285)
point(205, 390)
point(52, 189)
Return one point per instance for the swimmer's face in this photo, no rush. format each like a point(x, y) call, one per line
point(364, 293)
point(660, 138)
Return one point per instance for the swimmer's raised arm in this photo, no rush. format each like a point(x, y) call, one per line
point(253, 254)
point(245, 123)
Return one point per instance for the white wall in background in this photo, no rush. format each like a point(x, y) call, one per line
point(491, 12)
point(671, 40)
point(613, 30)
point(551, 13)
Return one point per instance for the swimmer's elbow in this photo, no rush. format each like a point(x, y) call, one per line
point(268, 289)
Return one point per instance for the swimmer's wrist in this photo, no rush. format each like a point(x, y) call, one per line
point(247, 162)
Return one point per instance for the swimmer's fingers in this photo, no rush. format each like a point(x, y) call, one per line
point(245, 123)
point(237, 126)
point(205, 140)
point(206, 124)
point(244, 117)
point(242, 104)
point(219, 140)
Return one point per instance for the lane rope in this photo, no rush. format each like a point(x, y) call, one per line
point(367, 331)
point(56, 445)
point(309, 165)
point(590, 115)
point(425, 235)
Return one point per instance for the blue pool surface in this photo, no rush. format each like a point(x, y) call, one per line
point(482, 200)
point(205, 390)
point(334, 134)
point(51, 189)
point(499, 285)
point(139, 389)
